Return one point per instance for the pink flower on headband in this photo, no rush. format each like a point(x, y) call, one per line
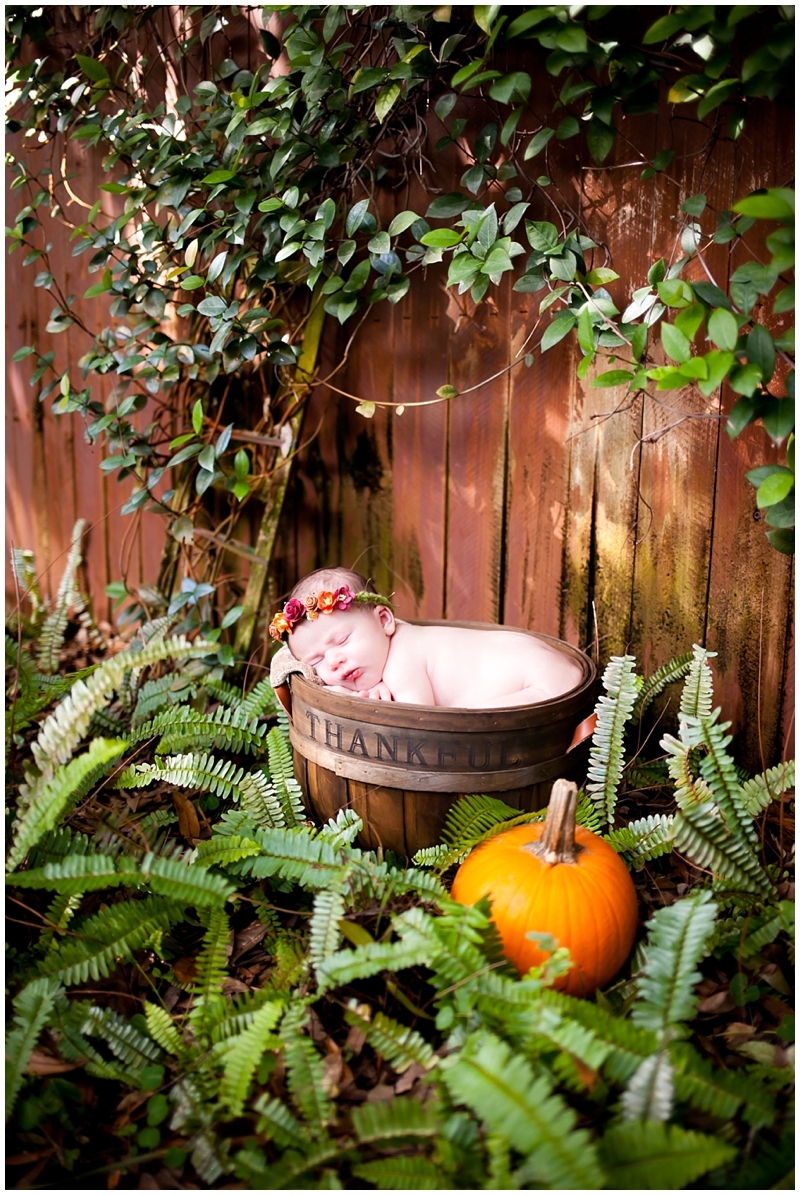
point(344, 597)
point(294, 610)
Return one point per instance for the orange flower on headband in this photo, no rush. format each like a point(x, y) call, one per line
point(279, 626)
point(326, 602)
point(310, 603)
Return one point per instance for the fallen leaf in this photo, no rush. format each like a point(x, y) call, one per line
point(188, 824)
point(383, 1091)
point(718, 1002)
point(26, 1158)
point(247, 938)
point(46, 1064)
point(185, 968)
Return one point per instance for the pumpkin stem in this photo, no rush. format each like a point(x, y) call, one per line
point(557, 843)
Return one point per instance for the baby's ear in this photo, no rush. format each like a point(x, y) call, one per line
point(386, 618)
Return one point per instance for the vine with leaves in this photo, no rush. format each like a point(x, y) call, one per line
point(242, 206)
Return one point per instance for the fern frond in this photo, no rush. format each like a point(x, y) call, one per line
point(243, 1053)
point(182, 727)
point(48, 803)
point(261, 701)
point(701, 834)
point(166, 690)
point(295, 854)
point(697, 696)
point(104, 723)
point(674, 946)
point(760, 791)
point(23, 566)
point(586, 814)
point(606, 761)
point(134, 1049)
point(57, 844)
point(212, 971)
point(80, 873)
point(32, 1007)
point(220, 690)
point(260, 799)
point(69, 721)
point(346, 965)
point(629, 1043)
point(161, 1028)
point(704, 1086)
point(184, 882)
point(719, 772)
point(305, 1072)
point(689, 791)
point(502, 1090)
point(51, 637)
point(650, 1091)
point(399, 1045)
point(471, 817)
point(667, 674)
point(281, 772)
point(646, 1155)
point(401, 1173)
point(276, 1123)
point(324, 932)
point(105, 937)
point(221, 852)
point(341, 830)
point(650, 774)
point(59, 913)
point(643, 839)
point(203, 773)
point(434, 856)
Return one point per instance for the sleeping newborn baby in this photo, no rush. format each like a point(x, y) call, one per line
point(349, 635)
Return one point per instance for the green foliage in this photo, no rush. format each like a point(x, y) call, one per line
point(606, 755)
point(368, 972)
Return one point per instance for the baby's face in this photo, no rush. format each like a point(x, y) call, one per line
point(347, 648)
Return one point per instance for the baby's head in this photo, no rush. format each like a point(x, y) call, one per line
point(335, 622)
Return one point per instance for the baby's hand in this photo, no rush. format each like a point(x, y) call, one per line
point(379, 692)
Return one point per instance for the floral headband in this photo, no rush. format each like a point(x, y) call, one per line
point(314, 604)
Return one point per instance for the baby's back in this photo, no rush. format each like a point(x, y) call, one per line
point(475, 668)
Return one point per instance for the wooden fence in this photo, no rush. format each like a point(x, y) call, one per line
point(531, 499)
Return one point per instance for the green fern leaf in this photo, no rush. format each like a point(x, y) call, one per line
point(243, 1053)
point(759, 792)
point(107, 936)
point(305, 1072)
point(162, 1029)
point(261, 701)
point(719, 772)
point(398, 1173)
point(346, 965)
point(471, 817)
point(80, 873)
point(66, 726)
point(295, 854)
point(59, 913)
point(23, 566)
point(134, 1049)
point(164, 690)
point(650, 1091)
point(689, 792)
point(183, 882)
point(182, 728)
point(212, 971)
point(698, 690)
point(276, 1123)
point(51, 637)
point(259, 798)
point(606, 762)
point(675, 945)
point(629, 1043)
point(221, 852)
point(57, 844)
point(644, 839)
point(502, 1090)
point(701, 834)
point(51, 801)
point(435, 856)
point(203, 773)
point(400, 1046)
point(32, 1008)
point(667, 674)
point(402, 1118)
point(281, 770)
point(342, 830)
point(324, 932)
point(704, 1086)
point(648, 1156)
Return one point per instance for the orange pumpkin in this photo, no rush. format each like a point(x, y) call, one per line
point(556, 878)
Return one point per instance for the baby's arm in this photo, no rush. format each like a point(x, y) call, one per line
point(407, 676)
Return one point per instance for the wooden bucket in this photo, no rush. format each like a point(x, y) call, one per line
point(401, 767)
